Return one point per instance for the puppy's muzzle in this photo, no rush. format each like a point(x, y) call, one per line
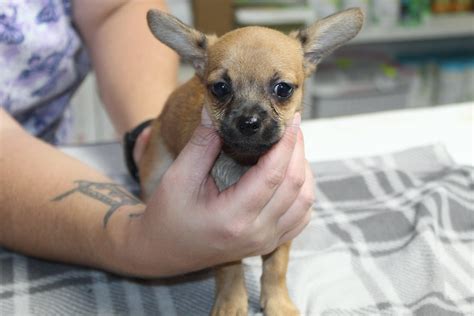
point(250, 130)
point(249, 125)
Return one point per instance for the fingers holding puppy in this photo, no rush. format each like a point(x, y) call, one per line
point(295, 231)
point(259, 184)
point(276, 207)
point(285, 222)
point(294, 180)
point(292, 222)
point(201, 150)
point(289, 209)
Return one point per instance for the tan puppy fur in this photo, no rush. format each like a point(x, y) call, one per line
point(250, 81)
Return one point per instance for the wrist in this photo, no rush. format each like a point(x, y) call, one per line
point(125, 244)
point(137, 252)
point(130, 142)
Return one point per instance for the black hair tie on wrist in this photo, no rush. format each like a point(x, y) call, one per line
point(129, 140)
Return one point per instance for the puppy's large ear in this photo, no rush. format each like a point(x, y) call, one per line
point(324, 36)
point(189, 43)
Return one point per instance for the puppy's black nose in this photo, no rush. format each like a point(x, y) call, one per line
point(249, 125)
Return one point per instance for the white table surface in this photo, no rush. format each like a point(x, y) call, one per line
point(384, 132)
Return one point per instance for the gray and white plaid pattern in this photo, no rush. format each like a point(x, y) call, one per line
point(390, 235)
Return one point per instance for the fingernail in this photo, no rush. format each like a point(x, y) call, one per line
point(297, 119)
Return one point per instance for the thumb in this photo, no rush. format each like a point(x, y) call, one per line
point(198, 156)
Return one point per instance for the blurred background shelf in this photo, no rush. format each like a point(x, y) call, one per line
point(408, 55)
point(274, 16)
point(436, 27)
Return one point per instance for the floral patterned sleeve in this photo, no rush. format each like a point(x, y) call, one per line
point(42, 62)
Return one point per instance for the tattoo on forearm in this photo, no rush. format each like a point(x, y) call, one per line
point(134, 215)
point(110, 194)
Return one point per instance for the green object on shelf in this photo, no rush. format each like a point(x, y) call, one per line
point(389, 71)
point(344, 63)
point(414, 12)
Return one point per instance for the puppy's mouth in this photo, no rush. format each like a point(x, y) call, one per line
point(246, 143)
point(246, 146)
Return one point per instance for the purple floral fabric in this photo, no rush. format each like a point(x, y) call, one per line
point(42, 62)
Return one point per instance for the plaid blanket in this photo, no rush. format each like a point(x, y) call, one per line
point(390, 235)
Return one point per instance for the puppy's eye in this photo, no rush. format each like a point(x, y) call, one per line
point(220, 89)
point(283, 90)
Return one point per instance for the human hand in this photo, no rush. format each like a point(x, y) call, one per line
point(188, 225)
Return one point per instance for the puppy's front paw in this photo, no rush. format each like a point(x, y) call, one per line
point(279, 305)
point(230, 307)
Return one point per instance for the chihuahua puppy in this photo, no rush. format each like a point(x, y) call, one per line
point(250, 81)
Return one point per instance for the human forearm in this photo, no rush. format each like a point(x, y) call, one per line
point(46, 213)
point(135, 72)
point(186, 225)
